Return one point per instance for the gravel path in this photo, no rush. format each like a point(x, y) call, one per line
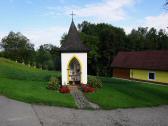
point(81, 100)
point(14, 113)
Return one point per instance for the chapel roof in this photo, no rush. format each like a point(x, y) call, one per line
point(151, 60)
point(73, 42)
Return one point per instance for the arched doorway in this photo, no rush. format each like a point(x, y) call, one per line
point(74, 72)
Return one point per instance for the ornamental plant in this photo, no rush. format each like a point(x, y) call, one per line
point(64, 89)
point(95, 82)
point(87, 88)
point(53, 84)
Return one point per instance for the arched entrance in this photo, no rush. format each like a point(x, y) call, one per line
point(74, 71)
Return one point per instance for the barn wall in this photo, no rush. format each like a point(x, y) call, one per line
point(121, 73)
point(161, 76)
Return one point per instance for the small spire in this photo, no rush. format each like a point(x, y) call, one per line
point(73, 42)
point(72, 14)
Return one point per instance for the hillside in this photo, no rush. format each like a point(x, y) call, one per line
point(12, 70)
point(28, 84)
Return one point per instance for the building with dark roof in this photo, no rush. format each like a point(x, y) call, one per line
point(142, 65)
point(73, 58)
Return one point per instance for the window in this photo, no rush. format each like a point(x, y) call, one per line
point(152, 75)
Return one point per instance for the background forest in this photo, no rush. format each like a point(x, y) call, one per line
point(104, 40)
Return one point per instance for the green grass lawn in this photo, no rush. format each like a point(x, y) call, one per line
point(13, 70)
point(127, 94)
point(28, 84)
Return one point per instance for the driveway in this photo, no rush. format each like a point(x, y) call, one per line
point(14, 113)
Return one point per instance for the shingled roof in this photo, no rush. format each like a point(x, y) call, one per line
point(73, 42)
point(151, 60)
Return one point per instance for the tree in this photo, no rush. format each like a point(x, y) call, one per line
point(111, 41)
point(63, 38)
point(137, 39)
point(43, 58)
point(1, 54)
point(56, 58)
point(48, 57)
point(151, 39)
point(18, 47)
point(147, 39)
point(92, 42)
point(162, 40)
point(105, 41)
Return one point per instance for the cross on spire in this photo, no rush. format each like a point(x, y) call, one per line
point(72, 14)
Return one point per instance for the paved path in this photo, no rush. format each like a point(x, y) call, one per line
point(14, 113)
point(81, 100)
point(54, 116)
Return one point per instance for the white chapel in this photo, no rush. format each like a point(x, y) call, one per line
point(73, 58)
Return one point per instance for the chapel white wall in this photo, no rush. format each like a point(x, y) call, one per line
point(65, 58)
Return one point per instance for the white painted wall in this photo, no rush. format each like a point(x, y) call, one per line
point(65, 59)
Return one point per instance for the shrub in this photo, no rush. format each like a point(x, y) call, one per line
point(53, 84)
point(87, 88)
point(94, 82)
point(64, 89)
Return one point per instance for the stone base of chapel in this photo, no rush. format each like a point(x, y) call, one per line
point(72, 87)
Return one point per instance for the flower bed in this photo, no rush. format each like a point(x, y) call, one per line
point(95, 82)
point(64, 89)
point(87, 88)
point(53, 83)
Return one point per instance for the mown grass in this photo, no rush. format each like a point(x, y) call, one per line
point(13, 70)
point(28, 84)
point(118, 93)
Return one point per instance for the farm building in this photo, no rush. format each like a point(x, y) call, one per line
point(142, 65)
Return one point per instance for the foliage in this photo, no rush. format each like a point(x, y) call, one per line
point(92, 42)
point(95, 82)
point(63, 38)
point(17, 47)
point(106, 41)
point(147, 39)
point(47, 57)
point(53, 84)
point(27, 84)
point(87, 88)
point(64, 89)
point(1, 54)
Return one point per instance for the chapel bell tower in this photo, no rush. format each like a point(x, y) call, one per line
point(73, 58)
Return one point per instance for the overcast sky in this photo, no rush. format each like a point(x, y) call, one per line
point(44, 21)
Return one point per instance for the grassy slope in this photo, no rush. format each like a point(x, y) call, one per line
point(124, 94)
point(12, 70)
point(28, 84)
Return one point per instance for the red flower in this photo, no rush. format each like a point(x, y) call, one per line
point(87, 88)
point(64, 89)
